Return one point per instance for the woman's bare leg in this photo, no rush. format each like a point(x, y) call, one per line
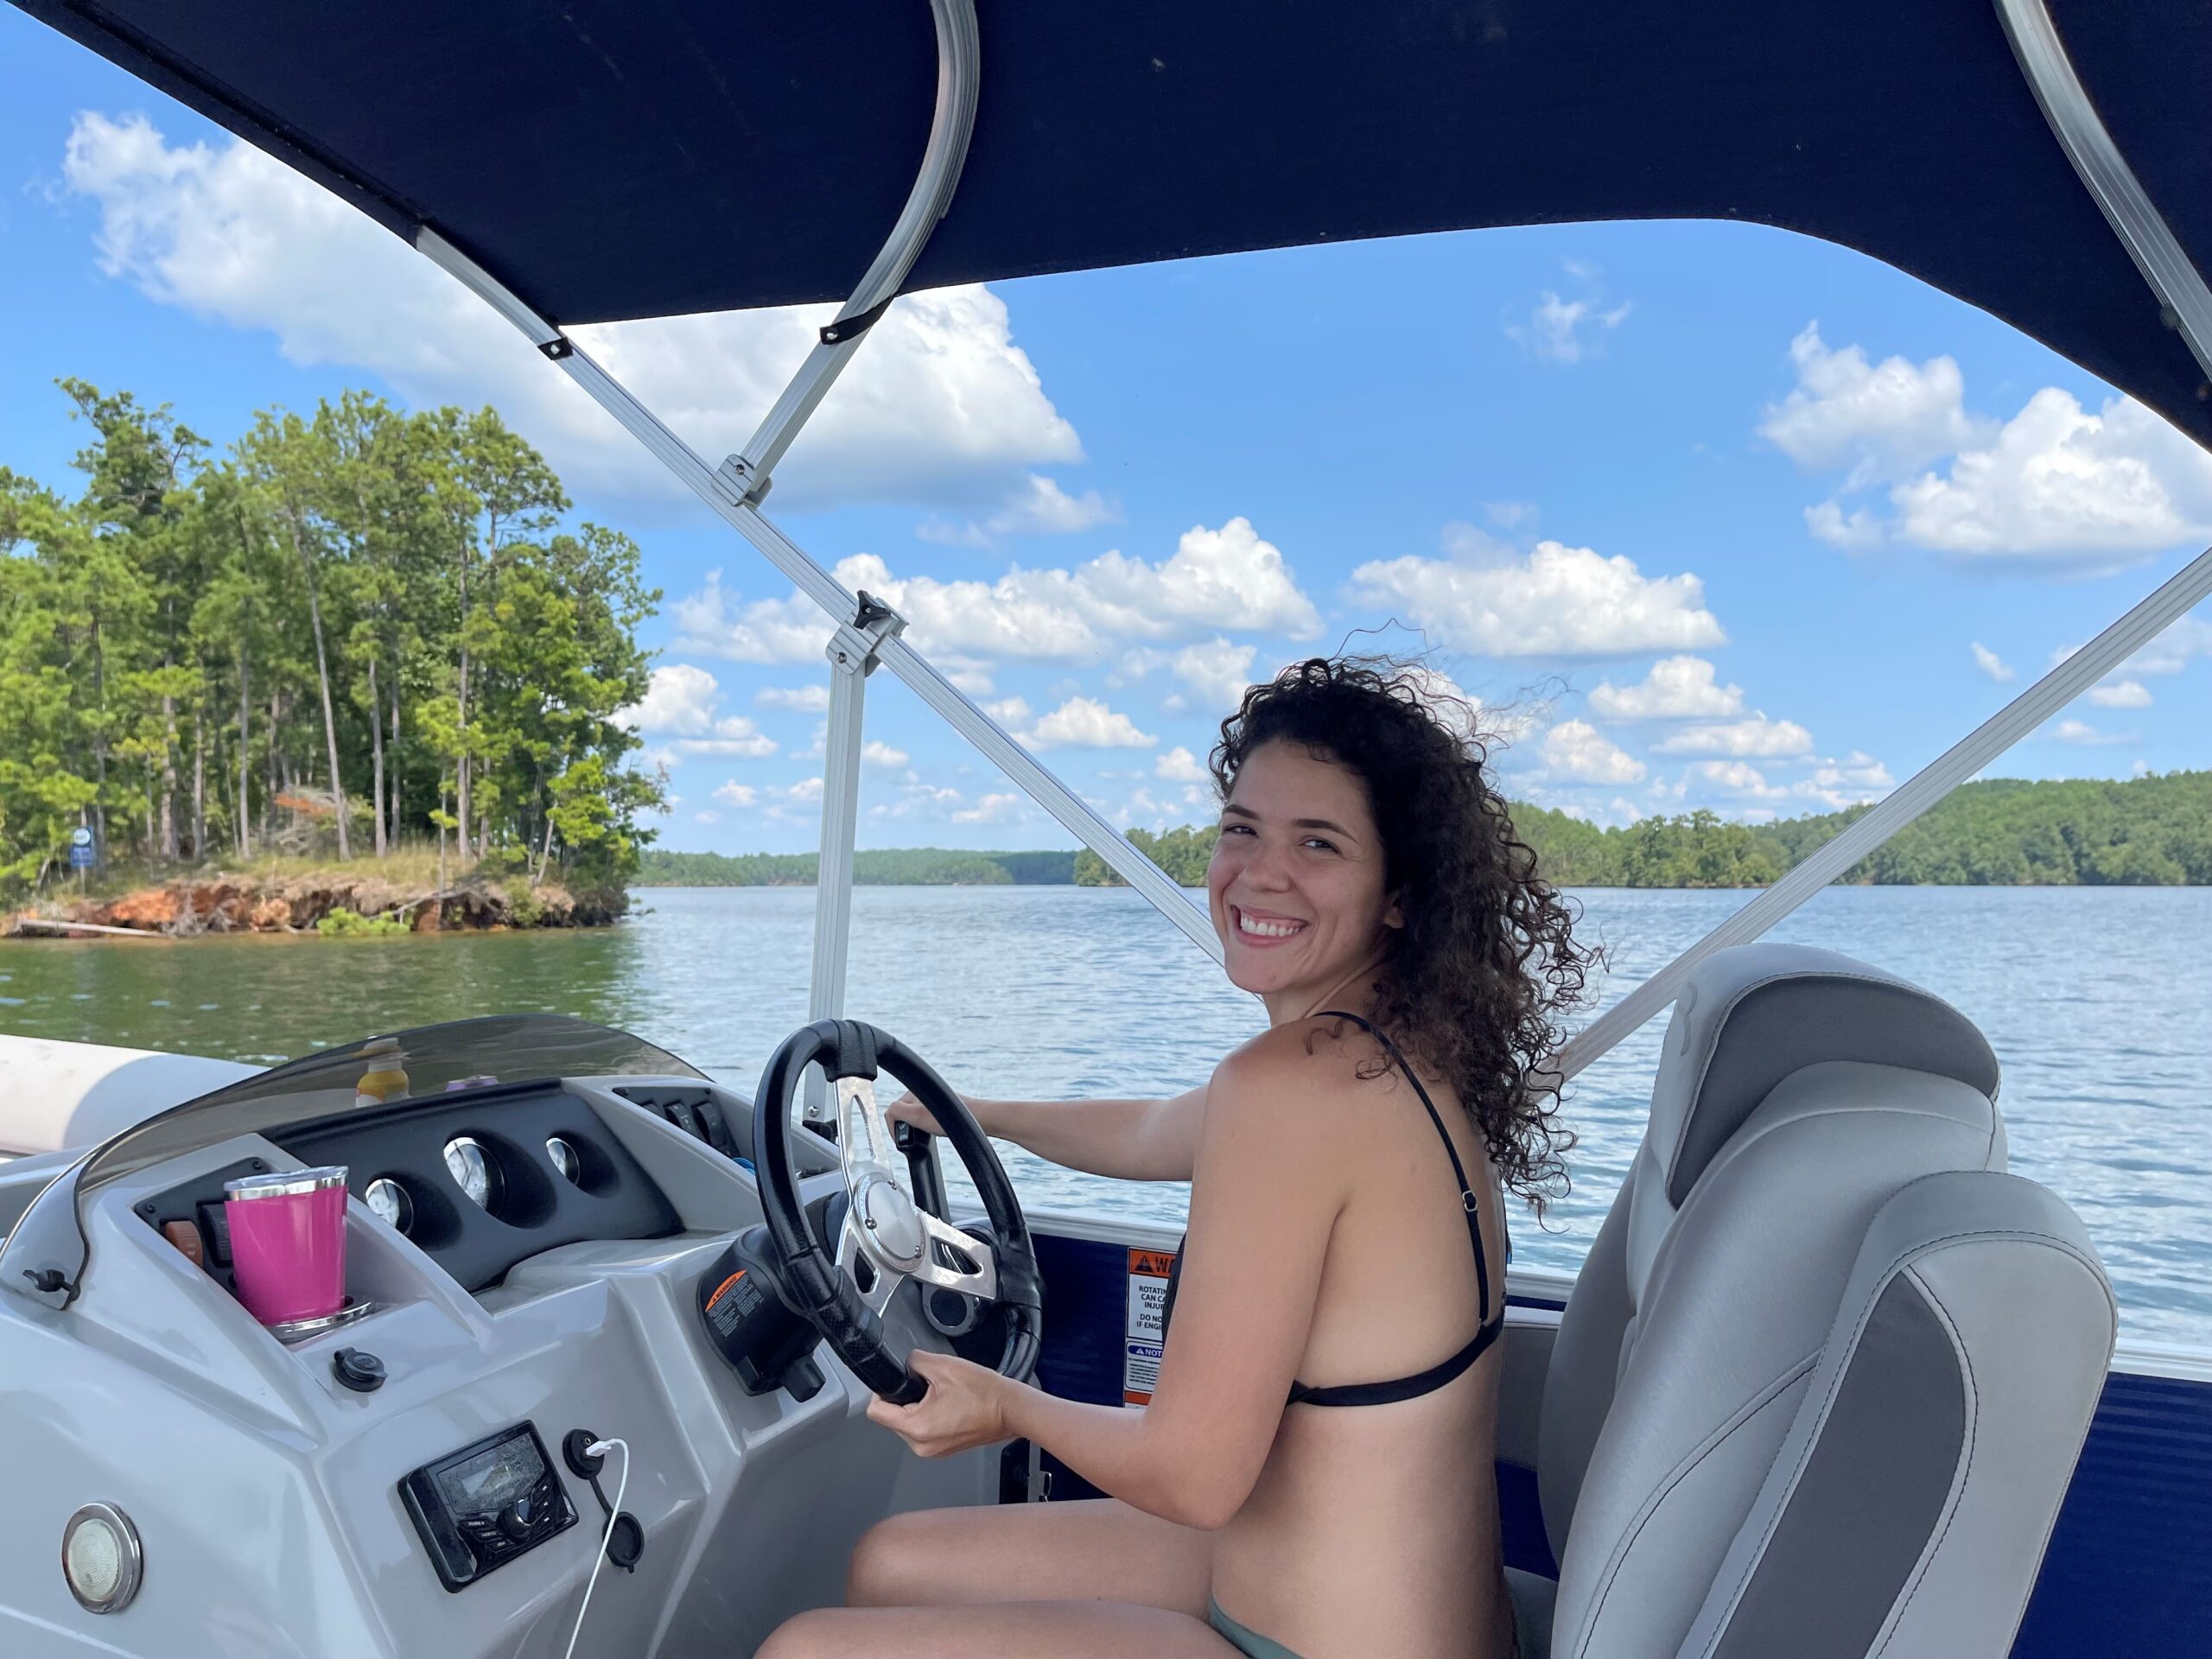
point(1093, 1550)
point(1066, 1630)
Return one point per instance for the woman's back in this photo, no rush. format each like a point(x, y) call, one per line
point(1373, 1528)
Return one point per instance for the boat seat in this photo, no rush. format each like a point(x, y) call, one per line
point(1822, 1380)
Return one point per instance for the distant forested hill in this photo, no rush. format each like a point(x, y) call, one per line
point(2154, 831)
point(900, 866)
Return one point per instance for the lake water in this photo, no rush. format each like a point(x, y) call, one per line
point(2099, 1001)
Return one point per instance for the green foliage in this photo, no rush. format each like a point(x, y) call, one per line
point(355, 629)
point(343, 923)
point(2002, 832)
point(1184, 853)
point(524, 909)
point(1036, 869)
point(913, 866)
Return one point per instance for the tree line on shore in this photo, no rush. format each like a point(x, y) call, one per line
point(2152, 831)
point(347, 631)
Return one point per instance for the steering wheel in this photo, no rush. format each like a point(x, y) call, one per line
point(886, 1238)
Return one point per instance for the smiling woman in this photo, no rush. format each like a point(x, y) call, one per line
point(1375, 742)
point(1367, 887)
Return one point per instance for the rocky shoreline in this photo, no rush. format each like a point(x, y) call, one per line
point(189, 907)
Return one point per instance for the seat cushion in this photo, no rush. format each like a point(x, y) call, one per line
point(1534, 1595)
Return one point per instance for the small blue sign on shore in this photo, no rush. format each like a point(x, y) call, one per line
point(81, 854)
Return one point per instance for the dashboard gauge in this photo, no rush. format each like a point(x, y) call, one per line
point(565, 1159)
point(390, 1201)
point(472, 1171)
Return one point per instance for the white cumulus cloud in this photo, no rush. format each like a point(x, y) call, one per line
point(1086, 723)
point(1038, 507)
point(1881, 421)
point(1567, 331)
point(2122, 694)
point(2080, 731)
point(2063, 486)
point(802, 699)
point(2057, 487)
point(1757, 735)
point(1179, 765)
point(1558, 601)
point(1226, 578)
point(941, 407)
point(1217, 671)
point(1992, 664)
point(1574, 750)
point(682, 704)
point(990, 808)
point(1677, 687)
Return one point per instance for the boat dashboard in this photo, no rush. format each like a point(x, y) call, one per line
point(522, 1277)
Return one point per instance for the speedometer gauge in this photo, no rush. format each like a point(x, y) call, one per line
point(389, 1200)
point(472, 1171)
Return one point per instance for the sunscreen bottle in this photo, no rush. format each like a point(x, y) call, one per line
point(384, 1079)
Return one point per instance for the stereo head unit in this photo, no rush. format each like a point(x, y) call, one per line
point(480, 1507)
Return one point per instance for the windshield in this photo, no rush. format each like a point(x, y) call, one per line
point(362, 1075)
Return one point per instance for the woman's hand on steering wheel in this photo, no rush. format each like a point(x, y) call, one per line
point(965, 1407)
point(909, 1109)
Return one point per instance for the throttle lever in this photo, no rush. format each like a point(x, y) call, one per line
point(920, 1149)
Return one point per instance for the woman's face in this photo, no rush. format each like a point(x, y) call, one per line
point(1296, 882)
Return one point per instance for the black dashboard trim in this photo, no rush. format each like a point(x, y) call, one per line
point(537, 1208)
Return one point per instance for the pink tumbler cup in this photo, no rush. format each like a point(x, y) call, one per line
point(288, 1243)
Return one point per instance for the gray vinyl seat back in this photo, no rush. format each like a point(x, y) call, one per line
point(1815, 1291)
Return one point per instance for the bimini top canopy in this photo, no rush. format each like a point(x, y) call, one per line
point(605, 159)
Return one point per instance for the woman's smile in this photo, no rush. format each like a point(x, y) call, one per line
point(1263, 929)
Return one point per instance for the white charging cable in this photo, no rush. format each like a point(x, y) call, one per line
point(600, 1449)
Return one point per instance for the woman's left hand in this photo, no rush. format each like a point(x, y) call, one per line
point(965, 1407)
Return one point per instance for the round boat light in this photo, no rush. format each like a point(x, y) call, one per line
point(100, 1558)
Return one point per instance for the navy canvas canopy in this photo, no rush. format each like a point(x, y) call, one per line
point(609, 159)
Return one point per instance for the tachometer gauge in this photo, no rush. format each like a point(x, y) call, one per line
point(390, 1201)
point(565, 1159)
point(473, 1172)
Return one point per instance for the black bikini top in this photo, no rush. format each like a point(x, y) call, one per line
point(1427, 1382)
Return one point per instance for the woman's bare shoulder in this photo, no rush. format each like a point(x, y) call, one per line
point(1319, 1064)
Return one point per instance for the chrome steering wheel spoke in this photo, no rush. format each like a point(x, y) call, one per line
point(863, 1132)
point(884, 1226)
point(858, 1262)
point(980, 1280)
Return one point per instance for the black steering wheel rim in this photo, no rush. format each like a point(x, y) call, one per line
point(828, 1298)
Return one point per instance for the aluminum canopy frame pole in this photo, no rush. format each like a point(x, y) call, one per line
point(734, 491)
point(958, 60)
point(2174, 278)
point(853, 655)
point(2180, 288)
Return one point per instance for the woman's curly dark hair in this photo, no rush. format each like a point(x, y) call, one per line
point(1476, 981)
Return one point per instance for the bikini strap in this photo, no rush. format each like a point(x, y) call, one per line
point(1468, 1201)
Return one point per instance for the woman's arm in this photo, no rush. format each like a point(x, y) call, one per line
point(1269, 1187)
point(1125, 1140)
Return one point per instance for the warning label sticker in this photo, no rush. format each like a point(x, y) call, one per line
point(1147, 1327)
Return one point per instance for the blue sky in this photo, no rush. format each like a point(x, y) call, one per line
point(1708, 515)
